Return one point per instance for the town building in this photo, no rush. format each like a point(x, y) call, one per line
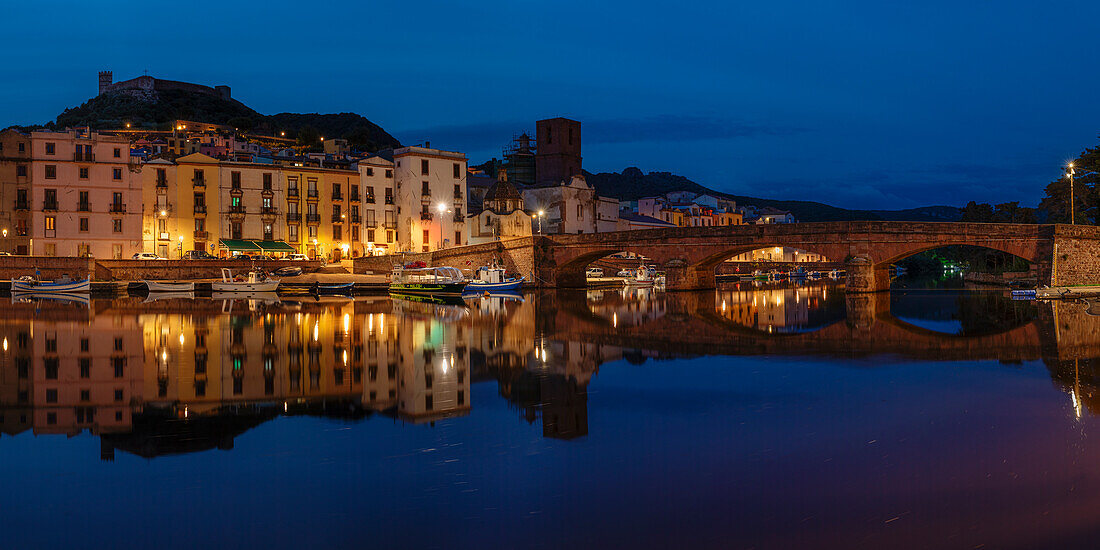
point(558, 156)
point(570, 206)
point(631, 221)
point(15, 190)
point(375, 204)
point(430, 198)
point(87, 195)
point(501, 214)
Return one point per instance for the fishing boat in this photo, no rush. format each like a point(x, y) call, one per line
point(427, 281)
point(257, 281)
point(797, 273)
point(64, 285)
point(641, 278)
point(492, 279)
point(320, 288)
point(169, 286)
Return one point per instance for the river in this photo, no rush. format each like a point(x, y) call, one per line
point(747, 417)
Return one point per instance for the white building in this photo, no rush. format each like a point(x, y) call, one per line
point(431, 198)
point(572, 207)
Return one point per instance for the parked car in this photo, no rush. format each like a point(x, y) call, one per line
point(146, 256)
point(198, 255)
point(593, 272)
point(297, 258)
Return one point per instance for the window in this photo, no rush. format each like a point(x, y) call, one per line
point(118, 395)
point(85, 367)
point(118, 153)
point(116, 225)
point(51, 397)
point(51, 223)
point(312, 231)
point(83, 172)
point(235, 230)
point(116, 173)
point(200, 224)
point(336, 190)
point(85, 345)
point(50, 148)
point(424, 167)
point(458, 238)
point(235, 180)
point(83, 225)
point(389, 173)
point(549, 134)
point(50, 366)
point(269, 232)
point(370, 235)
point(580, 213)
point(457, 171)
point(22, 148)
point(119, 364)
point(292, 233)
point(21, 170)
point(338, 232)
point(570, 136)
point(51, 172)
point(85, 395)
point(389, 236)
point(370, 171)
point(267, 182)
point(425, 189)
point(118, 343)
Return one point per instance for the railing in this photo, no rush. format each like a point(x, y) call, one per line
point(311, 194)
point(370, 222)
point(83, 207)
point(313, 218)
point(353, 197)
point(369, 198)
point(202, 235)
point(162, 184)
point(390, 225)
point(236, 209)
point(198, 182)
point(427, 216)
point(118, 208)
point(355, 218)
point(458, 195)
point(459, 219)
point(22, 205)
point(269, 211)
point(337, 218)
point(337, 196)
point(84, 157)
point(389, 199)
point(292, 192)
point(49, 205)
point(200, 208)
point(294, 217)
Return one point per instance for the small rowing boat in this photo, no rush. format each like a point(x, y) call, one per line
point(64, 285)
point(165, 286)
point(256, 281)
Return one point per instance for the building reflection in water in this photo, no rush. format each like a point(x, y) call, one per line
point(175, 376)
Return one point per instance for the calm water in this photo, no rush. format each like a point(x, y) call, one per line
point(742, 418)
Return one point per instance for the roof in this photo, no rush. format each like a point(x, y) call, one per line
point(641, 218)
point(502, 190)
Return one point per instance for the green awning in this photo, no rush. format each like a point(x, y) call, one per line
point(235, 245)
point(274, 246)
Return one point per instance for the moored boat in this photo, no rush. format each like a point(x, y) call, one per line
point(257, 281)
point(640, 278)
point(427, 281)
point(332, 288)
point(169, 286)
point(492, 279)
point(64, 285)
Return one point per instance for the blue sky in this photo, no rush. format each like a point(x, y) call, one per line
point(870, 104)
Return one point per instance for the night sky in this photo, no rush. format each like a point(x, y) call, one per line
point(875, 104)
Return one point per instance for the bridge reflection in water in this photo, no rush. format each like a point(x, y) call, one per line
point(187, 375)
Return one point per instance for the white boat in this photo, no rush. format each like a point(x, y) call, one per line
point(256, 281)
point(155, 296)
point(640, 278)
point(64, 285)
point(164, 286)
point(492, 279)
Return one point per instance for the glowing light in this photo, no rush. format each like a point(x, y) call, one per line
point(181, 338)
point(347, 322)
point(370, 322)
point(285, 406)
point(316, 334)
point(442, 207)
point(615, 320)
point(5, 344)
point(164, 356)
point(345, 357)
point(444, 364)
point(1076, 403)
point(163, 213)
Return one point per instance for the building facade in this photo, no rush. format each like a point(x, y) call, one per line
point(502, 214)
point(558, 156)
point(377, 208)
point(86, 200)
point(15, 192)
point(431, 198)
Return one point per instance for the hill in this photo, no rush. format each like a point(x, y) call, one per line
point(633, 184)
point(158, 109)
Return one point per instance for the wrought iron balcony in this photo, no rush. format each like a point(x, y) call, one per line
point(355, 218)
point(338, 218)
point(337, 196)
point(118, 208)
point(200, 208)
point(202, 235)
point(83, 207)
point(83, 157)
point(426, 216)
point(49, 205)
point(389, 199)
point(294, 217)
point(22, 205)
point(292, 192)
point(370, 222)
point(353, 197)
point(313, 218)
point(198, 182)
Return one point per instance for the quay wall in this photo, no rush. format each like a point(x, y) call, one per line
point(132, 270)
point(516, 255)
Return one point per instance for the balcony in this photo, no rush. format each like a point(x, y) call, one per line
point(389, 199)
point(313, 218)
point(199, 182)
point(162, 184)
point(238, 209)
point(369, 199)
point(22, 205)
point(202, 235)
point(337, 196)
point(49, 205)
point(83, 157)
point(353, 197)
point(294, 217)
point(458, 195)
point(459, 219)
point(426, 216)
point(292, 192)
point(311, 194)
point(83, 207)
point(268, 212)
point(200, 209)
point(390, 225)
point(370, 222)
point(337, 218)
point(355, 218)
point(118, 208)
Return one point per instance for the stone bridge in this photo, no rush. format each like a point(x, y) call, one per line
point(1062, 254)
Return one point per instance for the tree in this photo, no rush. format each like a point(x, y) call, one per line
point(1055, 206)
point(308, 136)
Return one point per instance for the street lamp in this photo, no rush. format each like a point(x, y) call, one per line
point(1069, 174)
point(442, 208)
point(541, 214)
point(180, 247)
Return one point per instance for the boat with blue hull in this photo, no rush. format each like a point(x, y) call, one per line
point(63, 285)
point(492, 279)
point(427, 281)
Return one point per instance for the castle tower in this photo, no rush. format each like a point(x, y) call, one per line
point(558, 156)
point(105, 80)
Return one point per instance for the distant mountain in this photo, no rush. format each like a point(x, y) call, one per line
point(632, 184)
point(158, 109)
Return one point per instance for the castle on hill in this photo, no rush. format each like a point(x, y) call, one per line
point(147, 83)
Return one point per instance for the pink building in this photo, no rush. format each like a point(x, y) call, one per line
point(86, 200)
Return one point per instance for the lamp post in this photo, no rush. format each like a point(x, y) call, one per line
point(1072, 209)
point(180, 247)
point(541, 214)
point(442, 208)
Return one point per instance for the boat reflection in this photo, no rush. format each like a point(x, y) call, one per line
point(184, 374)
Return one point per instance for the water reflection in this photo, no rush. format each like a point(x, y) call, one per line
point(183, 375)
